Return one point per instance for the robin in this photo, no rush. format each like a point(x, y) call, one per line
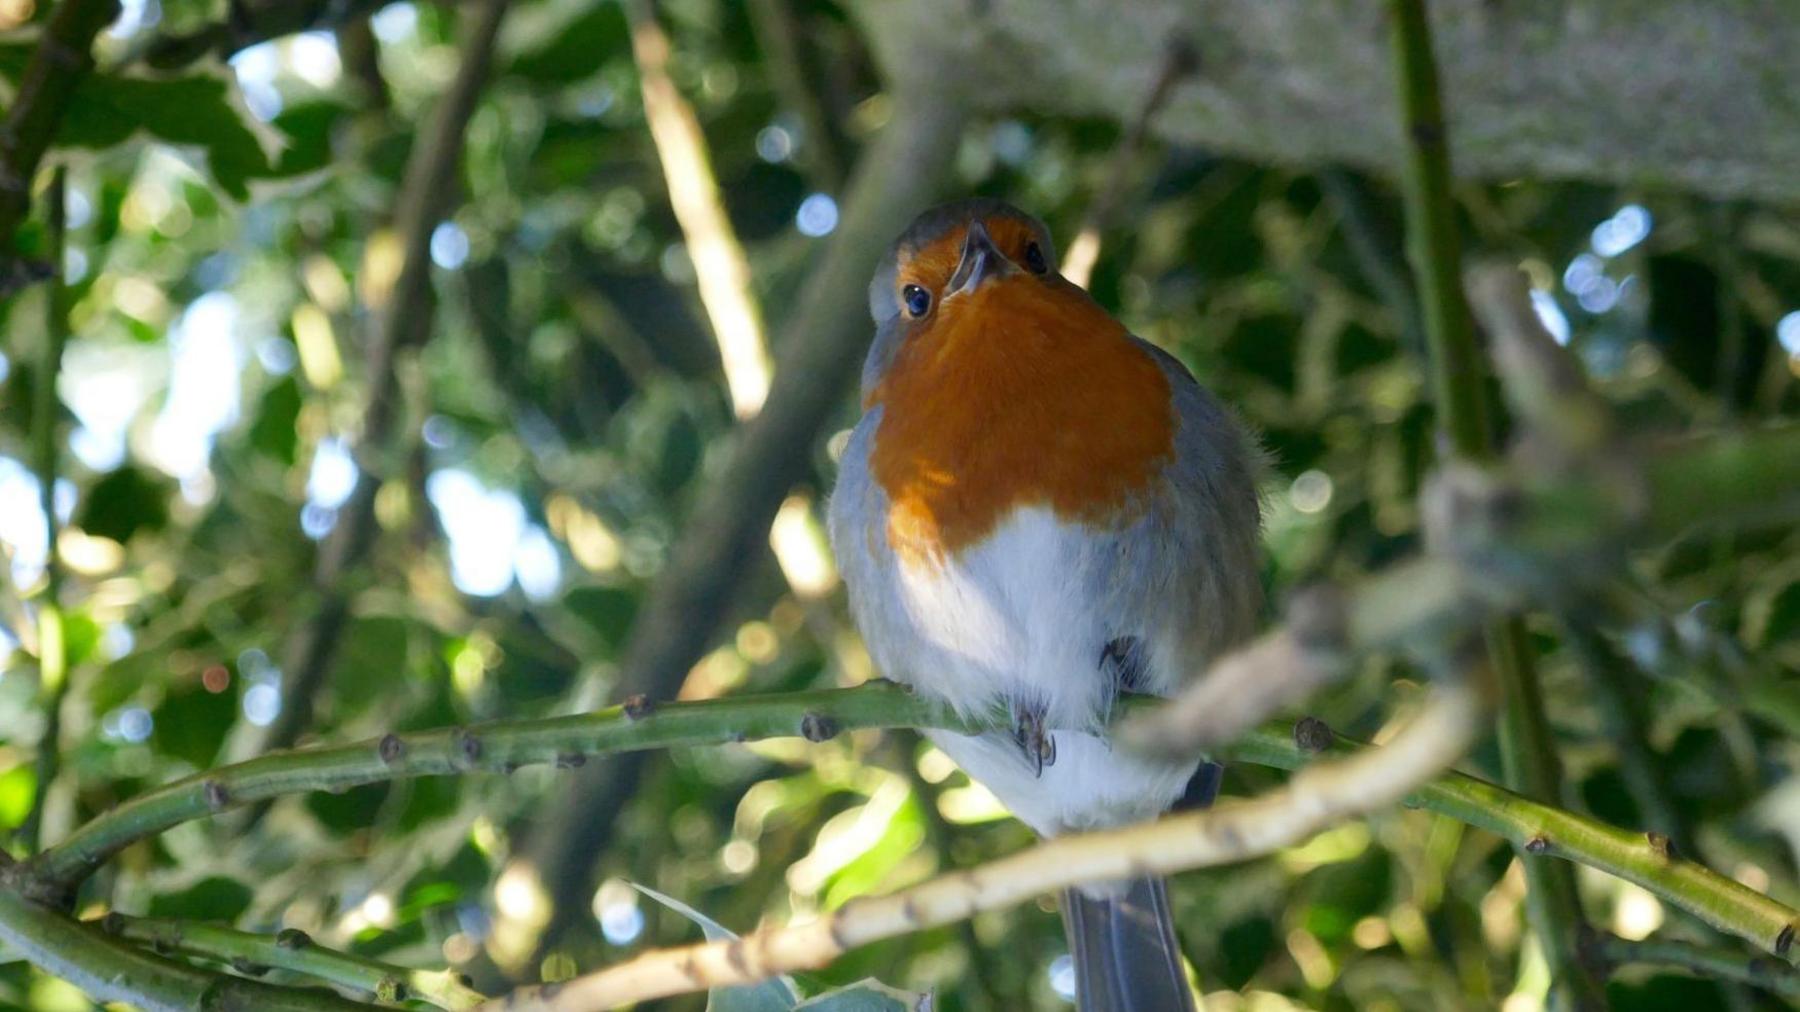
point(1039, 511)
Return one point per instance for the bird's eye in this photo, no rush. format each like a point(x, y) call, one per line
point(918, 300)
point(1034, 259)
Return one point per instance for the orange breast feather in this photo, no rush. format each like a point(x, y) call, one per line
point(1026, 394)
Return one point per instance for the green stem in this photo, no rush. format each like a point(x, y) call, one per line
point(1527, 746)
point(1718, 964)
point(53, 654)
point(497, 747)
point(293, 951)
point(110, 971)
point(1546, 831)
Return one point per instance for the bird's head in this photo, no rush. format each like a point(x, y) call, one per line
point(947, 268)
point(951, 252)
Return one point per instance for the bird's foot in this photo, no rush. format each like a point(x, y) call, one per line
point(1038, 743)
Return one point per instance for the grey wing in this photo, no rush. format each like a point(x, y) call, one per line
point(1207, 520)
point(856, 519)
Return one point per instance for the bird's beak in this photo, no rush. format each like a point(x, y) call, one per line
point(981, 261)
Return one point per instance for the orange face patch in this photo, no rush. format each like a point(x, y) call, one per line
point(931, 265)
point(1023, 392)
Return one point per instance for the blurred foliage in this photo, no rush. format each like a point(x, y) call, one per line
point(226, 224)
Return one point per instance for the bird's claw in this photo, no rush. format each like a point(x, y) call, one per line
point(1038, 743)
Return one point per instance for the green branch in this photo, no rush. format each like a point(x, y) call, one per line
point(62, 57)
point(497, 747)
point(1546, 831)
point(1539, 828)
point(53, 653)
point(1527, 746)
point(111, 971)
point(294, 951)
point(1718, 964)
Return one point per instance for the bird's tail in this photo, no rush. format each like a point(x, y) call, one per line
point(1126, 957)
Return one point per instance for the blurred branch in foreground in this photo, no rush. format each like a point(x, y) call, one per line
point(1528, 749)
point(401, 321)
point(729, 520)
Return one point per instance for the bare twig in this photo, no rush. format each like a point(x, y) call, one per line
point(401, 321)
point(62, 58)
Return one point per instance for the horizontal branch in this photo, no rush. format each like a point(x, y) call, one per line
point(497, 747)
point(295, 951)
point(108, 970)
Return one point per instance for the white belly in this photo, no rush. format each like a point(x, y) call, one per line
point(1024, 616)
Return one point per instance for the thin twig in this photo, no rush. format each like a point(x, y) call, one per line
point(1528, 749)
point(1233, 831)
point(53, 653)
point(295, 951)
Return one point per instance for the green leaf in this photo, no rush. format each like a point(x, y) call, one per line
point(17, 788)
point(191, 724)
point(124, 502)
point(869, 996)
point(197, 110)
point(211, 899)
point(275, 431)
point(774, 995)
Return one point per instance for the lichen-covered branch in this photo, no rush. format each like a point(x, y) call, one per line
point(109, 970)
point(295, 951)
